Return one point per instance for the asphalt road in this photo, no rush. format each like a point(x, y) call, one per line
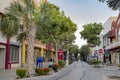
point(75, 74)
point(80, 71)
point(83, 71)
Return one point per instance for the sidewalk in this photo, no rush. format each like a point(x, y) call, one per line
point(8, 74)
point(108, 68)
point(54, 76)
point(11, 74)
point(111, 67)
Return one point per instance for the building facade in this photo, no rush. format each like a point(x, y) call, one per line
point(109, 37)
point(114, 41)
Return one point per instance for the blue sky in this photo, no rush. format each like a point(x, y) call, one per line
point(84, 11)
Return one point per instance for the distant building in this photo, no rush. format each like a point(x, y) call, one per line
point(98, 50)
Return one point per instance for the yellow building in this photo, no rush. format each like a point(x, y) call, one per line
point(40, 49)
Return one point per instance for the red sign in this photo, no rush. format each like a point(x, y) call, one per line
point(60, 54)
point(100, 50)
point(48, 46)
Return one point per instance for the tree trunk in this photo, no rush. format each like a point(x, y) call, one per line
point(30, 50)
point(56, 54)
point(56, 49)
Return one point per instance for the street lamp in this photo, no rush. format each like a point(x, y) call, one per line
point(67, 53)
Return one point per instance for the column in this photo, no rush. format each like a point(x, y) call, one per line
point(41, 52)
point(23, 52)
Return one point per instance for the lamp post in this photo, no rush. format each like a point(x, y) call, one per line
point(67, 52)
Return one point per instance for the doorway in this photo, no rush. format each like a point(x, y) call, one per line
point(2, 58)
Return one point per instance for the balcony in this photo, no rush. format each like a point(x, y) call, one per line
point(111, 34)
point(113, 46)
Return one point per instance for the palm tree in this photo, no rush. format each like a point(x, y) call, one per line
point(113, 4)
point(22, 10)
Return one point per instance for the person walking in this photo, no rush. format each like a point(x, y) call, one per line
point(39, 62)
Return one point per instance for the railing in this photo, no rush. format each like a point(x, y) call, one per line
point(112, 33)
point(113, 45)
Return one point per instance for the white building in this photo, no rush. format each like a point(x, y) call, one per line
point(106, 39)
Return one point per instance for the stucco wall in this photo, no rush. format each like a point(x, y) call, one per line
point(2, 39)
point(107, 25)
point(114, 58)
point(4, 4)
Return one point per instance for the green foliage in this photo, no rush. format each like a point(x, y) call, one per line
point(84, 51)
point(95, 62)
point(70, 61)
point(21, 73)
point(46, 70)
point(56, 65)
point(9, 25)
point(91, 33)
point(119, 65)
point(61, 63)
point(42, 71)
point(54, 25)
point(74, 49)
point(113, 4)
point(39, 71)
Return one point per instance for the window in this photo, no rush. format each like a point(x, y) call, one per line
point(119, 34)
point(14, 54)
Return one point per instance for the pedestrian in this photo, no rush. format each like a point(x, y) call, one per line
point(50, 65)
point(39, 62)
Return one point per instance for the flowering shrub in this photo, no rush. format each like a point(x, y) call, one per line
point(61, 63)
point(21, 73)
point(42, 71)
point(56, 65)
point(39, 71)
point(46, 70)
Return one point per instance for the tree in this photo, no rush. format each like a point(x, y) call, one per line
point(113, 4)
point(25, 10)
point(84, 52)
point(91, 33)
point(54, 25)
point(74, 50)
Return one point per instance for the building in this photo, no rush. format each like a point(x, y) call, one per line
point(108, 39)
point(114, 41)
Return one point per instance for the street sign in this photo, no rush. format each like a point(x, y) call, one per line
point(60, 52)
point(100, 50)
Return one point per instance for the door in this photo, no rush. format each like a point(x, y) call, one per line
point(2, 58)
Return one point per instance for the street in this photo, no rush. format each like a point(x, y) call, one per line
point(83, 71)
point(77, 71)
